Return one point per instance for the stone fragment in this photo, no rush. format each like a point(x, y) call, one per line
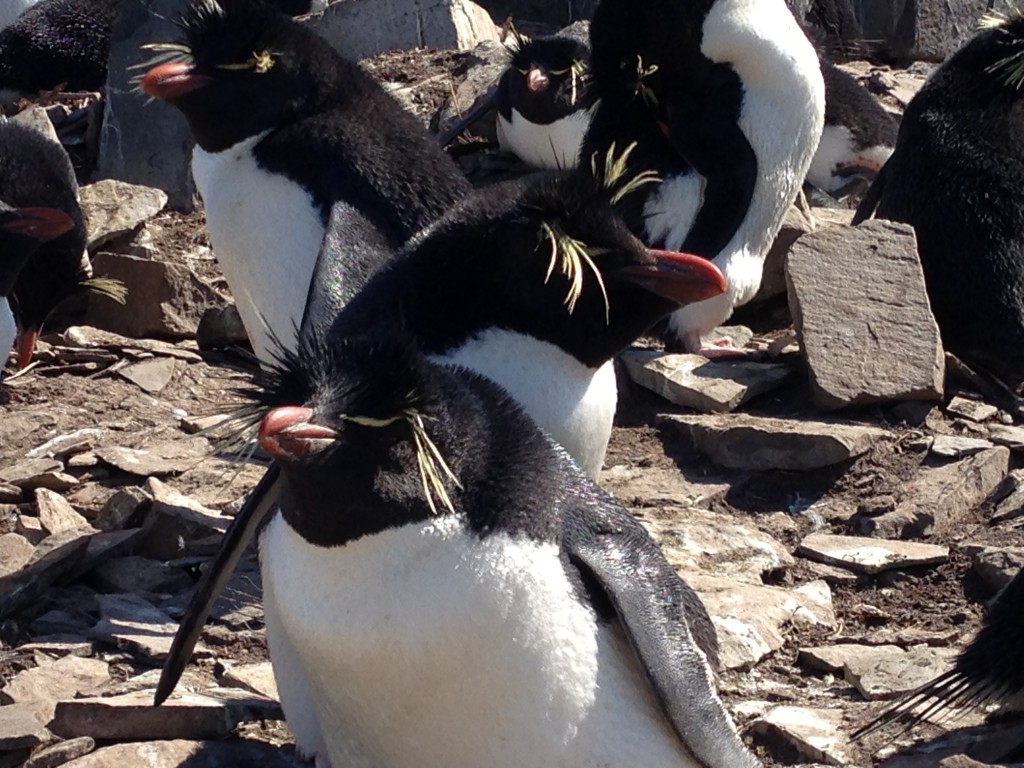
point(60, 622)
point(232, 753)
point(972, 410)
point(150, 375)
point(221, 327)
point(751, 621)
point(958, 446)
point(139, 574)
point(816, 735)
point(693, 381)
point(164, 299)
point(654, 487)
point(113, 208)
point(940, 498)
point(87, 337)
point(796, 223)
point(996, 565)
point(31, 528)
point(175, 520)
point(485, 66)
point(132, 716)
point(52, 558)
point(166, 457)
point(19, 728)
point(67, 444)
point(9, 494)
point(833, 658)
point(858, 301)
point(131, 622)
point(1011, 437)
point(742, 441)
point(120, 508)
point(15, 551)
point(25, 474)
point(197, 424)
point(40, 688)
point(144, 141)
point(358, 29)
point(258, 678)
point(56, 514)
point(879, 672)
point(870, 555)
point(105, 545)
point(35, 117)
point(62, 752)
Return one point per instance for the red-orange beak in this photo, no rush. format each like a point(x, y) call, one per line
point(286, 433)
point(680, 277)
point(26, 346)
point(536, 80)
point(171, 80)
point(39, 223)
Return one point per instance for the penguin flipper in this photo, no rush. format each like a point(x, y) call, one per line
point(869, 203)
point(254, 512)
point(661, 616)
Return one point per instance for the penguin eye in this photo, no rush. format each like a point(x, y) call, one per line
point(560, 72)
point(261, 63)
point(522, 71)
point(370, 421)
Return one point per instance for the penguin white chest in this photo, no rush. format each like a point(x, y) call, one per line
point(555, 145)
point(574, 404)
point(266, 233)
point(8, 330)
point(428, 646)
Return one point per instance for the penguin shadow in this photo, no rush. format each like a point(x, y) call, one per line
point(997, 741)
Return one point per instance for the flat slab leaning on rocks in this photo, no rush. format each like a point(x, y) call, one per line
point(867, 555)
point(858, 300)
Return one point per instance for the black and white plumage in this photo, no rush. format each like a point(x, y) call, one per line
point(957, 176)
point(544, 101)
point(990, 670)
point(726, 102)
point(37, 173)
point(477, 601)
point(22, 231)
point(858, 137)
point(57, 42)
point(292, 141)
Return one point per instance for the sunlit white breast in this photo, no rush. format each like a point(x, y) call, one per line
point(8, 330)
point(836, 150)
point(266, 231)
point(554, 146)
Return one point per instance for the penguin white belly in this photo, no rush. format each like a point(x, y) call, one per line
point(574, 404)
point(8, 331)
point(555, 145)
point(266, 233)
point(835, 150)
point(10, 10)
point(428, 646)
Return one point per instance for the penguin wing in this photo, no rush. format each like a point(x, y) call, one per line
point(664, 621)
point(871, 198)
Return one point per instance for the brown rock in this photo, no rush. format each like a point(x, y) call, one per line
point(814, 734)
point(26, 474)
point(42, 687)
point(150, 375)
point(31, 528)
point(131, 622)
point(882, 673)
point(55, 556)
point(114, 208)
point(163, 458)
point(796, 223)
point(861, 311)
point(870, 555)
point(120, 508)
point(61, 753)
point(234, 753)
point(139, 574)
point(972, 410)
point(221, 327)
point(19, 728)
point(15, 551)
point(56, 515)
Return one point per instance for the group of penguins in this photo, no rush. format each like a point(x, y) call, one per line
point(445, 584)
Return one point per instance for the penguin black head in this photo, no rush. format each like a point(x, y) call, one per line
point(546, 80)
point(22, 231)
point(242, 68)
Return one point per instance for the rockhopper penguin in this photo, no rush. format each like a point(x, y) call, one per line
point(292, 141)
point(726, 102)
point(957, 176)
point(475, 600)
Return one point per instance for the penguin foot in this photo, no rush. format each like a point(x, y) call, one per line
point(722, 348)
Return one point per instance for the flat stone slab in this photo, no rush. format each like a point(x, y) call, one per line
point(53, 557)
point(867, 555)
point(233, 753)
point(817, 735)
point(656, 487)
point(879, 672)
point(258, 678)
point(997, 566)
point(693, 381)
point(42, 687)
point(972, 410)
point(56, 515)
point(1011, 437)
point(958, 446)
point(132, 716)
point(150, 376)
point(19, 728)
point(131, 622)
point(167, 457)
point(833, 658)
point(113, 208)
point(742, 441)
point(858, 300)
point(61, 753)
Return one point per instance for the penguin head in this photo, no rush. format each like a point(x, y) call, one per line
point(22, 231)
point(547, 78)
point(241, 68)
point(994, 58)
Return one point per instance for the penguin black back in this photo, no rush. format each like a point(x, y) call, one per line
point(58, 42)
point(957, 176)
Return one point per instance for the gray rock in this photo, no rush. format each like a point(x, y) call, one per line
point(19, 728)
point(693, 381)
point(221, 327)
point(25, 474)
point(164, 299)
point(36, 118)
point(926, 29)
point(139, 574)
point(939, 499)
point(42, 687)
point(653, 487)
point(958, 446)
point(742, 441)
point(1011, 437)
point(361, 28)
point(996, 565)
point(150, 375)
point(870, 555)
point(258, 678)
point(833, 658)
point(132, 716)
point(880, 672)
point(57, 515)
point(816, 735)
point(859, 305)
point(68, 444)
point(53, 557)
point(91, 338)
point(10, 494)
point(488, 62)
point(174, 521)
point(31, 528)
point(131, 622)
point(972, 410)
point(234, 753)
point(796, 223)
point(144, 141)
point(120, 507)
point(15, 551)
point(114, 208)
point(167, 457)
point(61, 753)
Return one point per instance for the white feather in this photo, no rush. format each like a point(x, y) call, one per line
point(266, 233)
point(428, 646)
point(837, 149)
point(555, 145)
point(8, 330)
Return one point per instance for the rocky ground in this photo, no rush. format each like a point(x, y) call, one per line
point(843, 508)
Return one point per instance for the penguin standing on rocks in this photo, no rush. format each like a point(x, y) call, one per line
point(544, 101)
point(957, 176)
point(858, 137)
point(549, 285)
point(726, 103)
point(476, 601)
point(293, 141)
point(988, 671)
point(58, 42)
point(22, 231)
point(37, 172)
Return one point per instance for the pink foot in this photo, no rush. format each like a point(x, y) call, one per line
point(722, 348)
